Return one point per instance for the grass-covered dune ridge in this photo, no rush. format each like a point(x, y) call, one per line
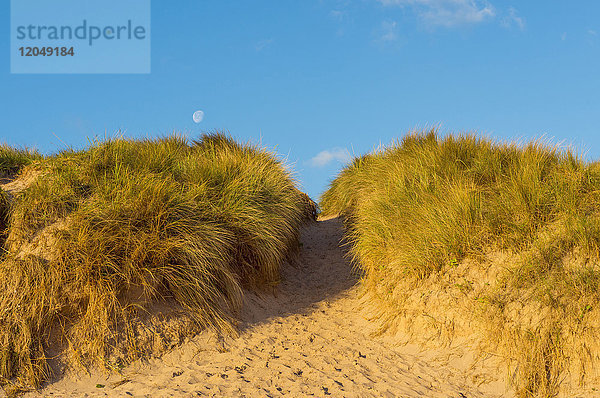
point(100, 234)
point(463, 236)
point(13, 159)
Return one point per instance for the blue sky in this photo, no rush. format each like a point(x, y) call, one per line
point(316, 79)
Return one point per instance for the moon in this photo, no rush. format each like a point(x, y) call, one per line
point(198, 116)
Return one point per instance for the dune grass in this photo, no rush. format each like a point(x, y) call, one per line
point(13, 159)
point(428, 219)
point(4, 207)
point(103, 233)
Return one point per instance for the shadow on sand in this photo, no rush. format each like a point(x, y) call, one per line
point(321, 272)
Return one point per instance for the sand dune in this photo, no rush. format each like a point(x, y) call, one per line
point(311, 339)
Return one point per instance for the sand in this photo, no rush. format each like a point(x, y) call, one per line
point(311, 339)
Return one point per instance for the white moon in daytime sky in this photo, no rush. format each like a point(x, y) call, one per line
point(198, 116)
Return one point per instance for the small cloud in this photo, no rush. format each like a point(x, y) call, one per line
point(563, 37)
point(513, 19)
point(338, 15)
point(262, 44)
point(388, 31)
point(592, 37)
point(323, 158)
point(342, 18)
point(447, 13)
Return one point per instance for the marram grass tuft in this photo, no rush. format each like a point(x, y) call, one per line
point(100, 235)
point(14, 159)
point(4, 207)
point(498, 243)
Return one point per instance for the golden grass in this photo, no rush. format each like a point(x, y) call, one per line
point(4, 206)
point(13, 159)
point(500, 242)
point(101, 234)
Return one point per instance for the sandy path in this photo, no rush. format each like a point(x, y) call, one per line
point(309, 340)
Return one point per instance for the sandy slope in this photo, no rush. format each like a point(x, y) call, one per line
point(311, 339)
